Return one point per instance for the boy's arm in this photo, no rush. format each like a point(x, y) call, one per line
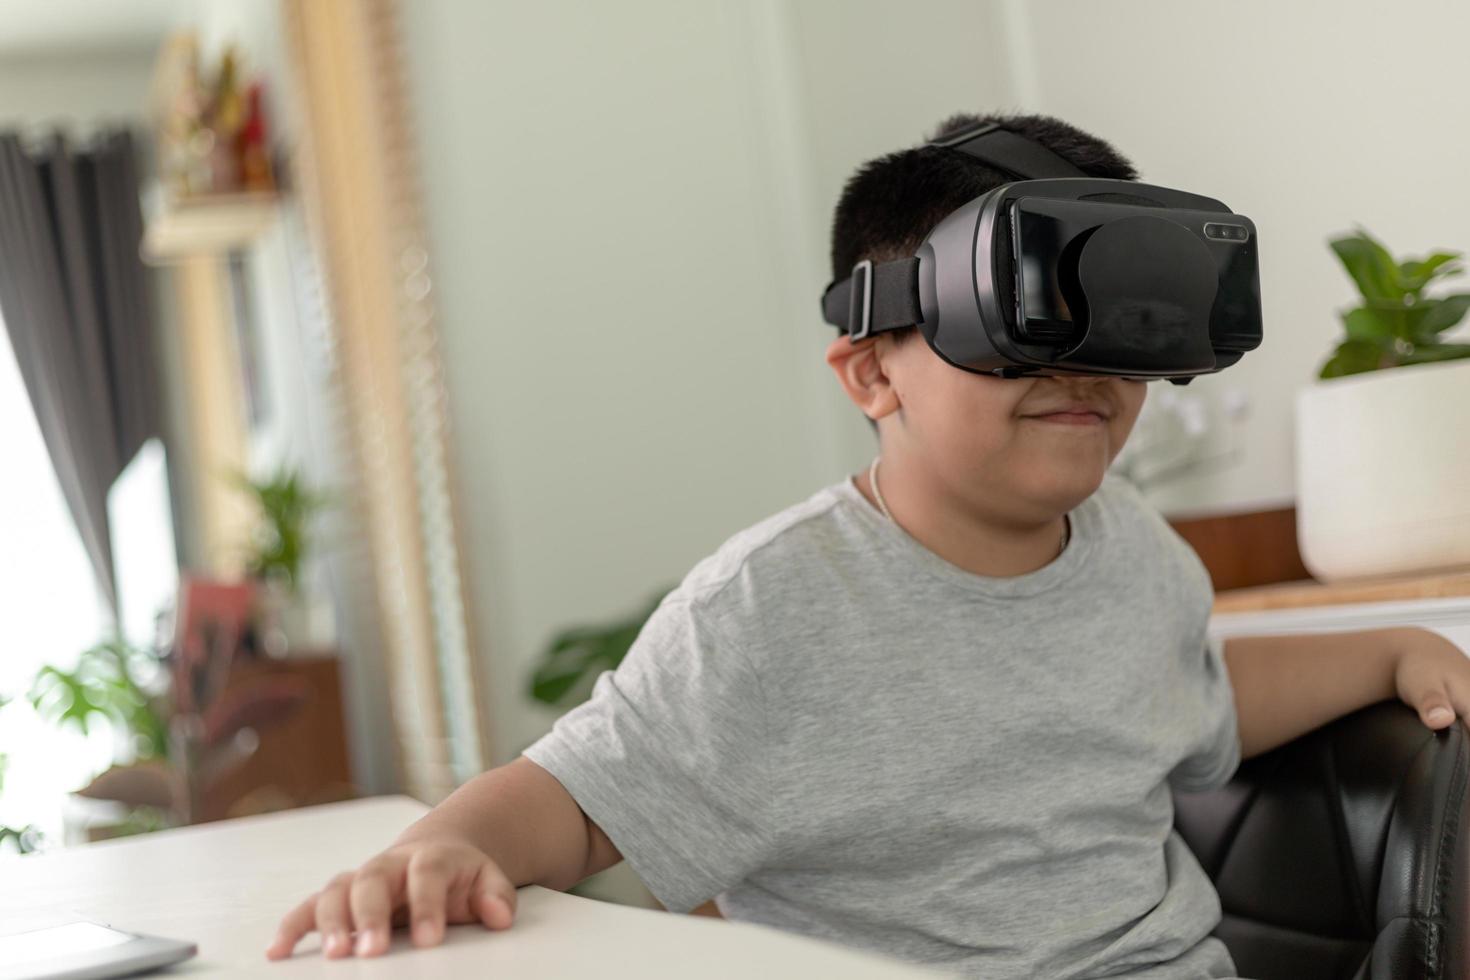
point(461, 861)
point(526, 822)
point(1286, 686)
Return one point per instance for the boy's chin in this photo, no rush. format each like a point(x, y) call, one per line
point(1065, 484)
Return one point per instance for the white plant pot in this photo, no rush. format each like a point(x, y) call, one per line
point(1383, 472)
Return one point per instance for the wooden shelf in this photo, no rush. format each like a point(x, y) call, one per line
point(209, 225)
point(1298, 595)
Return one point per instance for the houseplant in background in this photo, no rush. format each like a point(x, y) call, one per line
point(125, 688)
point(1382, 461)
point(170, 751)
point(291, 615)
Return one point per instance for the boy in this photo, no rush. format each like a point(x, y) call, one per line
point(935, 710)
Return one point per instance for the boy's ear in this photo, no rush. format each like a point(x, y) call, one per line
point(859, 369)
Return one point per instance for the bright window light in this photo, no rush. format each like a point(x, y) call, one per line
point(50, 610)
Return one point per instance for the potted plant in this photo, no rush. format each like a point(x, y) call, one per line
point(1382, 457)
point(168, 758)
point(280, 543)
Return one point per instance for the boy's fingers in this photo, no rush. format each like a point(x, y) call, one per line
point(371, 902)
point(1435, 710)
point(297, 923)
point(492, 897)
point(428, 883)
point(334, 918)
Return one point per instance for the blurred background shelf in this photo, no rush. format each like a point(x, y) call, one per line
point(1302, 594)
point(208, 225)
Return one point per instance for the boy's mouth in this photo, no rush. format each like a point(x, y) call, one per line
point(1070, 418)
point(1074, 413)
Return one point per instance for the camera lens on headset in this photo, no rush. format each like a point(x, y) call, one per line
point(1226, 232)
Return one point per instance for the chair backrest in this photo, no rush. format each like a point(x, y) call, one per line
point(1343, 855)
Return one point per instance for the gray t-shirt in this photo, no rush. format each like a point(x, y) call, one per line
point(834, 731)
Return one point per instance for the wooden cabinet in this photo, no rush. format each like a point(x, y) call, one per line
point(301, 761)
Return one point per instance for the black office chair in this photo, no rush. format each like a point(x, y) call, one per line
point(1343, 855)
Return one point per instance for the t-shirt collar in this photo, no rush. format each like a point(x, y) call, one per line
point(898, 542)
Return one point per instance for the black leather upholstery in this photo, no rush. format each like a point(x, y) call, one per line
point(1343, 855)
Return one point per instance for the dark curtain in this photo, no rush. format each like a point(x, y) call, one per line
point(73, 298)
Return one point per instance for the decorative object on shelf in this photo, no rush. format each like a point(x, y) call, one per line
point(1381, 466)
point(212, 132)
point(217, 187)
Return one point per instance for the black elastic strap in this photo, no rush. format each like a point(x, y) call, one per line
point(1009, 153)
point(895, 299)
point(891, 289)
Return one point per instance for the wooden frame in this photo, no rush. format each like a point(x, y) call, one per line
point(356, 171)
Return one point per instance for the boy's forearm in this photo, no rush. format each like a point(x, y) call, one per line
point(521, 817)
point(1285, 686)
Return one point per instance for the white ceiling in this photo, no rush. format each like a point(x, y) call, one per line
point(36, 27)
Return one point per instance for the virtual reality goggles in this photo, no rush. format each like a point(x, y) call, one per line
point(1059, 273)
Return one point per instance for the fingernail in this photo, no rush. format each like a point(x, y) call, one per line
point(364, 943)
point(1441, 714)
point(424, 931)
point(336, 944)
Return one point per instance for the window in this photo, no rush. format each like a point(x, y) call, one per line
point(50, 610)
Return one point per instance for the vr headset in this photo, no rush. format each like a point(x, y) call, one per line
point(1060, 273)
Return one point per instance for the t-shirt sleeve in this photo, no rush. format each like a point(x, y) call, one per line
point(667, 756)
point(1215, 756)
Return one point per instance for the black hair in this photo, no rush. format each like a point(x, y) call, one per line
point(890, 204)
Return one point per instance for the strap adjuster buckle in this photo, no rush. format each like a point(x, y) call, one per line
point(860, 286)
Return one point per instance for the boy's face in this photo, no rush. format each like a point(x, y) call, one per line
point(1009, 446)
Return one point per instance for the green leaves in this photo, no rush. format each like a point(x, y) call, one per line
point(570, 665)
point(1396, 324)
point(286, 505)
point(27, 839)
point(1416, 275)
point(1368, 263)
point(1444, 313)
point(1352, 357)
point(101, 686)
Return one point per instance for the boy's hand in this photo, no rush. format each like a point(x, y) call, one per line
point(425, 882)
point(1432, 675)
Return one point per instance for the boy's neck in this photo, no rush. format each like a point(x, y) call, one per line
point(987, 545)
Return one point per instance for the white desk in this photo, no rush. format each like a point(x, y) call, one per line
point(226, 885)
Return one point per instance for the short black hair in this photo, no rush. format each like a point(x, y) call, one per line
point(890, 205)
